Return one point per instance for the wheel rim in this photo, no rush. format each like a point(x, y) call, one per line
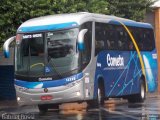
point(142, 91)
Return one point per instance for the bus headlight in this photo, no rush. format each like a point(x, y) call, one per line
point(18, 98)
point(78, 93)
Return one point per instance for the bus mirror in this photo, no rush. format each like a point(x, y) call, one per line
point(81, 34)
point(6, 46)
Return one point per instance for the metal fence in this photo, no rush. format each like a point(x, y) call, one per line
point(7, 90)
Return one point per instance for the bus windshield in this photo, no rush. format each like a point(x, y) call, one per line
point(46, 54)
point(61, 49)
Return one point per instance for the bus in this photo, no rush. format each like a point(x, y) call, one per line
point(81, 57)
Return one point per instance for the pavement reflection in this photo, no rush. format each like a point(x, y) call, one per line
point(112, 110)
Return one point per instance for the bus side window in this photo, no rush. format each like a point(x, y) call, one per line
point(130, 44)
point(125, 42)
point(122, 38)
point(111, 37)
point(148, 40)
point(144, 38)
point(99, 37)
point(111, 40)
point(108, 43)
point(86, 54)
point(141, 36)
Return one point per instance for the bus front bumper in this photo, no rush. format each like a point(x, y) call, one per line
point(68, 93)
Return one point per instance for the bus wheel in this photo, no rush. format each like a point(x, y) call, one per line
point(43, 108)
point(141, 96)
point(100, 96)
point(92, 104)
point(101, 93)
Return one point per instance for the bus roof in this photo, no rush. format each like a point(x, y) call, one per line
point(60, 21)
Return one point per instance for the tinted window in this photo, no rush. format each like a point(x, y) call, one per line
point(115, 37)
point(86, 54)
point(105, 37)
point(144, 38)
point(111, 37)
point(100, 36)
point(124, 41)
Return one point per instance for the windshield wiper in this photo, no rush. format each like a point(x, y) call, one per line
point(54, 67)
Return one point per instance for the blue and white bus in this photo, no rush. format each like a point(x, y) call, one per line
point(83, 57)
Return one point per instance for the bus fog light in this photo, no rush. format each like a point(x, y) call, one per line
point(78, 93)
point(18, 98)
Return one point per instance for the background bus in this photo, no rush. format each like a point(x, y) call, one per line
point(83, 57)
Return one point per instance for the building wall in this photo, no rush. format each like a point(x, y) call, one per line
point(157, 34)
point(153, 18)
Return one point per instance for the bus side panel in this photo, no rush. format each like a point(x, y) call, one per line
point(151, 69)
point(121, 72)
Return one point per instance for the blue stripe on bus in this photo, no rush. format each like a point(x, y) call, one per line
point(132, 24)
point(6, 54)
point(47, 27)
point(47, 84)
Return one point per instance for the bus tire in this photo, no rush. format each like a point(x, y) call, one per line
point(141, 96)
point(92, 104)
point(99, 100)
point(43, 108)
point(101, 93)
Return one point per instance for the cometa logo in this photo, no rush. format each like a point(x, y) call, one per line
point(115, 61)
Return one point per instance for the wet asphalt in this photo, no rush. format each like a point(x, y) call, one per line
point(112, 110)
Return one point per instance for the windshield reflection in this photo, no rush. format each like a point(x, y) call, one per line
point(62, 55)
point(47, 54)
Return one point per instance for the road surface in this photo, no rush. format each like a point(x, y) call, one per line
point(113, 110)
